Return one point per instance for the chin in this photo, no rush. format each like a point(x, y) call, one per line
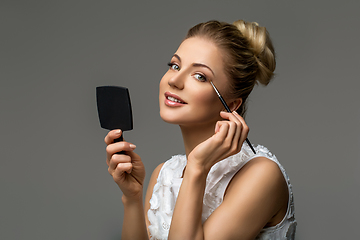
point(187, 120)
point(169, 118)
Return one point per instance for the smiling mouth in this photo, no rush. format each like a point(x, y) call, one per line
point(174, 99)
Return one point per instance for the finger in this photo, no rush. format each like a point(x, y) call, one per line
point(241, 119)
point(119, 158)
point(241, 130)
point(118, 147)
point(234, 116)
point(121, 168)
point(113, 134)
point(237, 141)
point(221, 131)
point(230, 139)
point(115, 148)
point(135, 158)
point(245, 128)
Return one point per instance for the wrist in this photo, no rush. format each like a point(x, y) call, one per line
point(133, 200)
point(196, 171)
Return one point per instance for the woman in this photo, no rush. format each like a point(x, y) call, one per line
point(220, 189)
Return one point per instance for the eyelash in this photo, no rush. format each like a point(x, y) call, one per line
point(172, 64)
point(201, 75)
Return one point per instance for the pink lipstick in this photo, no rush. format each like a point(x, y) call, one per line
point(173, 100)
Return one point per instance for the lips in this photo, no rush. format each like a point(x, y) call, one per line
point(174, 98)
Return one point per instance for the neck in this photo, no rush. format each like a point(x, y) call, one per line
point(195, 135)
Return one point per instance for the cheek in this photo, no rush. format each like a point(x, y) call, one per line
point(203, 99)
point(161, 85)
point(207, 100)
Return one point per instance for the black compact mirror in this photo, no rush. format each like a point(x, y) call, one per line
point(114, 108)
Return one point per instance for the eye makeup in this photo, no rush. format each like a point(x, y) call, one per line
point(228, 110)
point(172, 65)
point(198, 76)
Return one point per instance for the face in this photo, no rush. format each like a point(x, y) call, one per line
point(186, 96)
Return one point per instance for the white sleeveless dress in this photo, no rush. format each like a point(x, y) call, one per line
point(167, 188)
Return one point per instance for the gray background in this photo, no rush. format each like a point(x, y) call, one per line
point(54, 180)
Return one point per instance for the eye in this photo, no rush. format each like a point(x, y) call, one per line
point(200, 77)
point(174, 66)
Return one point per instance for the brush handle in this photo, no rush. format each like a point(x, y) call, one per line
point(228, 109)
point(247, 140)
point(249, 143)
point(225, 105)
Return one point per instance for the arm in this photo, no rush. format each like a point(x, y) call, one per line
point(186, 221)
point(255, 194)
point(134, 222)
point(128, 172)
point(226, 141)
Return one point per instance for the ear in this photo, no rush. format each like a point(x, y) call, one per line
point(235, 104)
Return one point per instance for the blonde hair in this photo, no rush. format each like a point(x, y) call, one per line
point(249, 55)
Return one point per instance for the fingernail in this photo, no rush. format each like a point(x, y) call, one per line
point(118, 131)
point(132, 146)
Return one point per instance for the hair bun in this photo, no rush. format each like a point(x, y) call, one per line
point(260, 44)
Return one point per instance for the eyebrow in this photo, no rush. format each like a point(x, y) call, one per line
point(196, 64)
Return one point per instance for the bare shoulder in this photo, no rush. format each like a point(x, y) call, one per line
point(255, 195)
point(263, 178)
point(260, 171)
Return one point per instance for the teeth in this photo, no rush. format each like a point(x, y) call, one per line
point(174, 99)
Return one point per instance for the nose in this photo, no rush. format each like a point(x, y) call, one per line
point(177, 80)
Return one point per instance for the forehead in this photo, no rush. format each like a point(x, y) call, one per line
point(200, 50)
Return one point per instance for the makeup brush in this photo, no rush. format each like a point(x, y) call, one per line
point(228, 109)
